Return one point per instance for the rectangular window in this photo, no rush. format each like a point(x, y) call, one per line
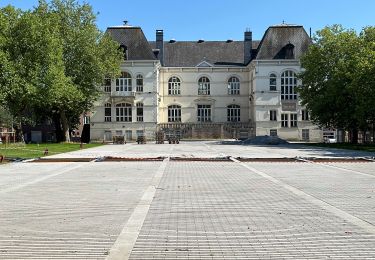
point(174, 113)
point(273, 115)
point(124, 84)
point(273, 132)
point(139, 112)
point(293, 120)
point(284, 120)
point(107, 114)
point(305, 115)
point(139, 133)
point(272, 83)
point(86, 120)
point(107, 85)
point(123, 114)
point(305, 135)
point(204, 113)
point(233, 113)
point(139, 83)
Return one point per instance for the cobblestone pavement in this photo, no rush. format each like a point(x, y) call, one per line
point(189, 210)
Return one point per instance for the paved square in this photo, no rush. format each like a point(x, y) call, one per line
point(189, 209)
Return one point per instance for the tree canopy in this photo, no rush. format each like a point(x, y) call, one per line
point(53, 58)
point(338, 86)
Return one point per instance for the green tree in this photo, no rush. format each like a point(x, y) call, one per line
point(88, 55)
point(53, 59)
point(331, 81)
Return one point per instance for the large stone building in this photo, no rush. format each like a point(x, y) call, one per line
point(206, 89)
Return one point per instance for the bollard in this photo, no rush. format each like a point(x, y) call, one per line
point(81, 146)
point(1, 158)
point(45, 151)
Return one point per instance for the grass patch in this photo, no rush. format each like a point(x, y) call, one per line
point(348, 146)
point(28, 151)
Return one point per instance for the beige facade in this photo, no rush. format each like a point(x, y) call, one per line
point(247, 89)
point(105, 127)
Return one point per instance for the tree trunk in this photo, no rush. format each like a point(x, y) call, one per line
point(65, 126)
point(58, 130)
point(354, 136)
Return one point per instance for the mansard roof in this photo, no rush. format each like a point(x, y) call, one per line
point(277, 38)
point(134, 40)
point(193, 53)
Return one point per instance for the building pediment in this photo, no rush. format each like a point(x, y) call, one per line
point(204, 64)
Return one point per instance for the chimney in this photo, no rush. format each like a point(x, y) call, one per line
point(247, 44)
point(160, 45)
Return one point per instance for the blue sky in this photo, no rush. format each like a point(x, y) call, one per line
point(225, 19)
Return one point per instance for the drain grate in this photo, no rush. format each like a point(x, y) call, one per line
point(201, 159)
point(284, 159)
point(127, 159)
point(46, 160)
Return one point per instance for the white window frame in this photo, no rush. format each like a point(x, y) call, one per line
point(174, 86)
point(123, 112)
point(288, 85)
point(273, 115)
point(284, 120)
point(204, 86)
point(86, 120)
point(305, 115)
point(139, 112)
point(204, 113)
point(273, 82)
point(139, 83)
point(293, 120)
point(234, 86)
point(124, 83)
point(107, 107)
point(174, 113)
point(107, 87)
point(233, 113)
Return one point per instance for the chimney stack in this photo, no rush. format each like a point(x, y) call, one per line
point(248, 41)
point(160, 45)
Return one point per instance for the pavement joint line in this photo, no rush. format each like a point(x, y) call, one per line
point(23, 185)
point(335, 167)
point(123, 246)
point(326, 206)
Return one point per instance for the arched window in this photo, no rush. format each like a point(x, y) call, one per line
point(124, 112)
point(203, 86)
point(139, 112)
point(288, 85)
point(174, 85)
point(124, 83)
point(174, 113)
point(233, 86)
point(273, 82)
point(107, 112)
point(139, 83)
point(233, 113)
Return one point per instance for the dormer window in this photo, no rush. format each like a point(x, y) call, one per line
point(289, 51)
point(124, 50)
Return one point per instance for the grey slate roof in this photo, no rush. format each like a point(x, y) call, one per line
point(191, 53)
point(134, 39)
point(277, 37)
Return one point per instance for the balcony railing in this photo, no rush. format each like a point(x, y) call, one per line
point(123, 93)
